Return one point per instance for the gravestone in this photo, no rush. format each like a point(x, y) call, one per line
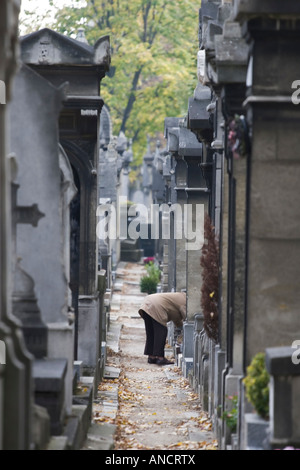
point(282, 364)
point(49, 390)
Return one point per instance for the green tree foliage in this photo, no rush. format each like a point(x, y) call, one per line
point(154, 47)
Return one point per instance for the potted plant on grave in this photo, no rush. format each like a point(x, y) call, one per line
point(150, 282)
point(230, 416)
point(256, 385)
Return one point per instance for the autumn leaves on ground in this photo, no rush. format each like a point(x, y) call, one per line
point(157, 407)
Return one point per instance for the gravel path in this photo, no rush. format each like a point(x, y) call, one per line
point(157, 409)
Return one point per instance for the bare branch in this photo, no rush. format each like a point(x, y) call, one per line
point(102, 21)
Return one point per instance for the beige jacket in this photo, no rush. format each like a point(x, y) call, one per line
point(165, 307)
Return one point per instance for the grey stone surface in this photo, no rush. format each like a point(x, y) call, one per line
point(188, 332)
point(38, 163)
point(49, 390)
point(276, 296)
point(279, 361)
point(173, 139)
point(198, 119)
point(187, 366)
point(265, 8)
point(189, 144)
point(78, 368)
point(61, 344)
point(111, 372)
point(282, 365)
point(100, 437)
point(58, 443)
point(76, 426)
point(256, 431)
point(47, 47)
point(48, 374)
point(43, 165)
point(88, 328)
point(275, 210)
point(26, 308)
point(170, 122)
point(232, 53)
point(41, 427)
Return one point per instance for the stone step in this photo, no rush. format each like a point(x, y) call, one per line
point(58, 443)
point(77, 425)
point(100, 437)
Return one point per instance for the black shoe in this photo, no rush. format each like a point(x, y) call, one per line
point(152, 360)
point(163, 362)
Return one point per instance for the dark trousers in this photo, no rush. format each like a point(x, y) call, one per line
point(156, 335)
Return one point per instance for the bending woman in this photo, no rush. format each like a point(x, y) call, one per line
point(157, 310)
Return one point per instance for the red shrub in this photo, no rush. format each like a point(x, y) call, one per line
point(210, 285)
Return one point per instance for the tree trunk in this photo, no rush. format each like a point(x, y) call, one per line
point(131, 99)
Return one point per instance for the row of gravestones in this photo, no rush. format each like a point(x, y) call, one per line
point(232, 93)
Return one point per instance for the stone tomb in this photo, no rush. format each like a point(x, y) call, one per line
point(39, 232)
point(61, 59)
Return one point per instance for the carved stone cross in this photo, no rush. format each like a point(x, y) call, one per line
point(24, 214)
point(28, 215)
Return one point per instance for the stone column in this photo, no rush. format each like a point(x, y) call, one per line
point(200, 121)
point(231, 65)
point(196, 205)
point(172, 199)
point(166, 267)
point(171, 134)
point(273, 231)
point(180, 242)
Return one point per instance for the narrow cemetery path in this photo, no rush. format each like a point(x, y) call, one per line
point(157, 409)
